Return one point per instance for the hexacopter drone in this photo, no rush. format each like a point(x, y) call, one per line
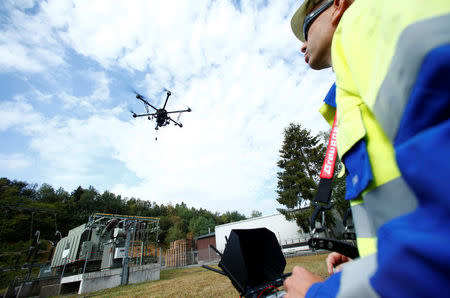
point(161, 115)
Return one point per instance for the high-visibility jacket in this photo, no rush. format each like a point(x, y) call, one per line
point(392, 65)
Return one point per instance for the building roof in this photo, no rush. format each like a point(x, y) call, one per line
point(249, 219)
point(206, 236)
point(257, 218)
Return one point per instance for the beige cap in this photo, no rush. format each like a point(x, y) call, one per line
point(299, 17)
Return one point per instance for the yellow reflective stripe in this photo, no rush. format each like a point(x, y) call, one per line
point(356, 88)
point(380, 205)
point(342, 172)
point(362, 222)
point(365, 232)
point(366, 246)
point(356, 202)
point(375, 21)
point(389, 201)
point(401, 77)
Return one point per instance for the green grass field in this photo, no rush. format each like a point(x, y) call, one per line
point(199, 282)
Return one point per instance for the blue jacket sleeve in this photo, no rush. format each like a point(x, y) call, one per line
point(329, 288)
point(413, 250)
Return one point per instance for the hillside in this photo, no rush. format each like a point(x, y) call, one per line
point(28, 208)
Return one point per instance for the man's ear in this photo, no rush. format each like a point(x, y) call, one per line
point(339, 7)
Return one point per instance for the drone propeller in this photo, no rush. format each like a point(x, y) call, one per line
point(187, 109)
point(134, 91)
point(133, 113)
point(175, 122)
point(167, 98)
point(145, 101)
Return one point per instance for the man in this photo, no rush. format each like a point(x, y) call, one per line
point(392, 65)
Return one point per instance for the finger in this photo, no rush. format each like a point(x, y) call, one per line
point(331, 262)
point(330, 267)
point(289, 287)
point(287, 283)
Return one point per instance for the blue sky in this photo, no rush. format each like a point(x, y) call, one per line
point(68, 68)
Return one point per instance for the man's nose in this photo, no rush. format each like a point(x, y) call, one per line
point(304, 47)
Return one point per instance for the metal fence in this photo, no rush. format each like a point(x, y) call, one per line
point(294, 247)
point(192, 257)
point(296, 241)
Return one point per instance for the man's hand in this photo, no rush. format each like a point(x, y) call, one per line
point(299, 282)
point(335, 259)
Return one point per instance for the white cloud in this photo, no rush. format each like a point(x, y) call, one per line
point(21, 4)
point(75, 147)
point(28, 43)
point(240, 72)
point(180, 36)
point(15, 56)
point(99, 95)
point(19, 114)
point(226, 153)
point(16, 161)
point(69, 150)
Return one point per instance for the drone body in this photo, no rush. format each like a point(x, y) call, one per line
point(162, 115)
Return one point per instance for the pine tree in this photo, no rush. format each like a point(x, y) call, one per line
point(301, 158)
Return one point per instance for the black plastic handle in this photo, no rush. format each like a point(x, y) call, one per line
point(341, 247)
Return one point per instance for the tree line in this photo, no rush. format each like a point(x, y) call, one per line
point(29, 207)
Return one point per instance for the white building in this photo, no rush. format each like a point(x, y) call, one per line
point(287, 232)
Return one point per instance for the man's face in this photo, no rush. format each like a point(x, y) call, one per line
point(317, 48)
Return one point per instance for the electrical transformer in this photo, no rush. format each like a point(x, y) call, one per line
point(104, 242)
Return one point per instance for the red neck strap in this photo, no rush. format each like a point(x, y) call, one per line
point(330, 158)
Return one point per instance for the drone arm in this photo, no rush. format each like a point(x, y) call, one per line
point(167, 98)
point(143, 115)
point(182, 111)
point(176, 123)
point(146, 102)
